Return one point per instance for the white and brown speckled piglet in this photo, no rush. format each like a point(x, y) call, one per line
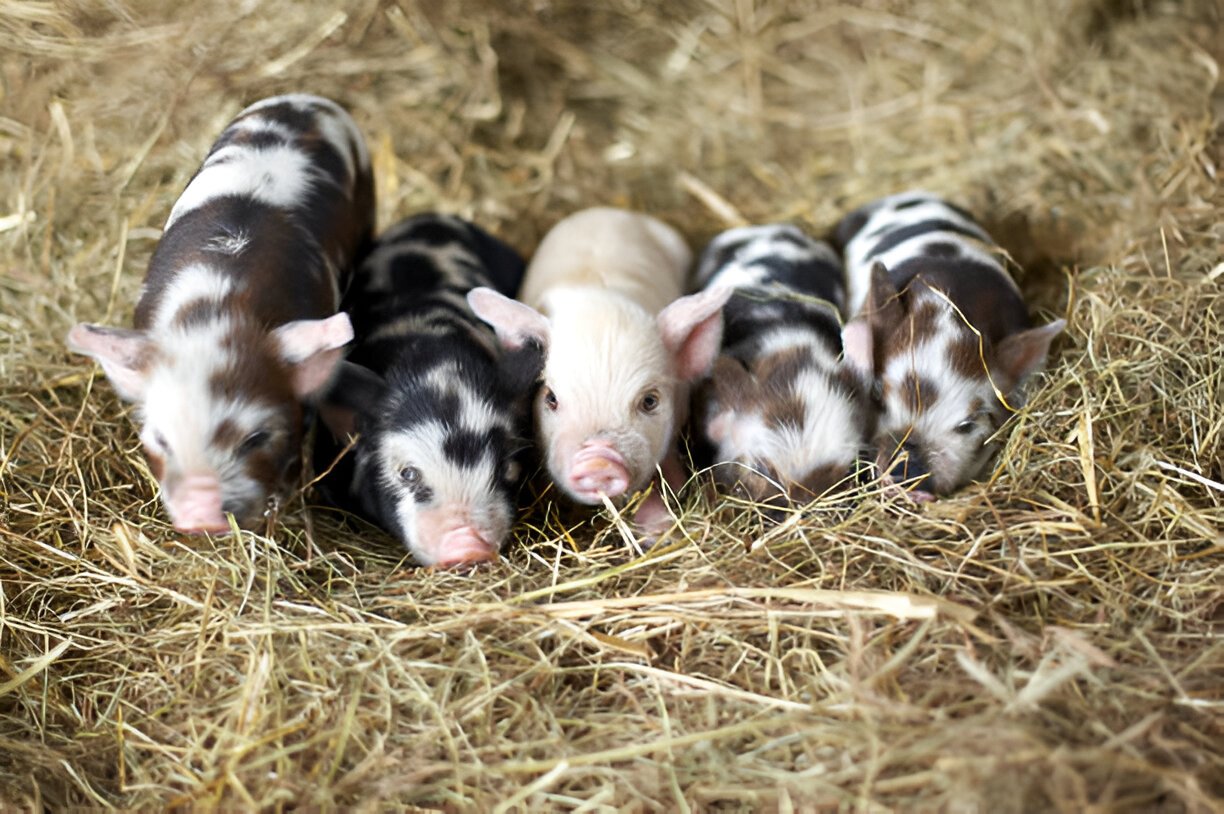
point(944, 330)
point(786, 416)
point(603, 296)
point(237, 322)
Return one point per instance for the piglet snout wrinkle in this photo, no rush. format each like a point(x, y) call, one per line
point(598, 469)
point(464, 546)
point(196, 505)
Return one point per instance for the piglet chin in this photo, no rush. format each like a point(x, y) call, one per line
point(195, 505)
point(464, 546)
point(598, 470)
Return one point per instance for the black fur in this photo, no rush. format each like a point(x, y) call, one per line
point(416, 278)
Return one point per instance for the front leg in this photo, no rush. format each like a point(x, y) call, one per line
point(652, 518)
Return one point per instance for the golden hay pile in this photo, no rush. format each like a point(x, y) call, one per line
point(1052, 640)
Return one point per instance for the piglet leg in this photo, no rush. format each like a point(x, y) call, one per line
point(652, 518)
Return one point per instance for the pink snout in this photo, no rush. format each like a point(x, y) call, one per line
point(195, 505)
point(464, 546)
point(598, 469)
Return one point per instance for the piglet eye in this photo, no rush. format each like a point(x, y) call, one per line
point(966, 427)
point(649, 402)
point(550, 399)
point(511, 471)
point(410, 475)
point(161, 442)
point(254, 441)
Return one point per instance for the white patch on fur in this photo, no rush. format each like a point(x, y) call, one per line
point(190, 284)
point(231, 243)
point(773, 241)
point(790, 337)
point(278, 176)
point(258, 124)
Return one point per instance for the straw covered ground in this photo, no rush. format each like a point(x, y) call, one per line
point(1050, 640)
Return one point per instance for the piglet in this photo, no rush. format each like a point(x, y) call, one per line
point(785, 414)
point(438, 408)
point(603, 297)
point(943, 328)
point(236, 323)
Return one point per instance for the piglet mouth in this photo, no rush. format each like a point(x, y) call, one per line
point(195, 505)
point(464, 546)
point(597, 471)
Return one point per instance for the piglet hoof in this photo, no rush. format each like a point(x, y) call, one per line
point(652, 519)
point(893, 491)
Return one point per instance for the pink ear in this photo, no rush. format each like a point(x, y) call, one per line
point(1021, 355)
point(691, 328)
point(515, 323)
point(123, 354)
point(858, 345)
point(313, 347)
point(300, 340)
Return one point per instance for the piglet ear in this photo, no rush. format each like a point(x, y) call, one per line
point(691, 328)
point(1021, 355)
point(882, 312)
point(858, 343)
point(313, 348)
point(124, 355)
point(352, 392)
point(515, 323)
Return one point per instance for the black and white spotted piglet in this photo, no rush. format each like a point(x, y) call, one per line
point(436, 403)
point(786, 416)
point(944, 330)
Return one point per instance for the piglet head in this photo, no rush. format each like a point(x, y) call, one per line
point(614, 381)
point(787, 428)
point(219, 407)
point(943, 389)
point(436, 462)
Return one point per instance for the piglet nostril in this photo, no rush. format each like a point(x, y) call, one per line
point(908, 466)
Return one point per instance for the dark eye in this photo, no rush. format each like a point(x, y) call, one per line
point(649, 402)
point(410, 475)
point(254, 441)
point(511, 471)
point(966, 427)
point(550, 399)
point(161, 442)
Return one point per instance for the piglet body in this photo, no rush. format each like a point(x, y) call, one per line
point(944, 330)
point(437, 404)
point(236, 324)
point(785, 414)
point(603, 296)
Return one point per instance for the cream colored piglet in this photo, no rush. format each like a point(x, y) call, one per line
point(603, 297)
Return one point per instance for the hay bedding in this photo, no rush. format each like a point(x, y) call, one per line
point(1048, 641)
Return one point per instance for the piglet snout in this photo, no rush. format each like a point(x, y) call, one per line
point(195, 505)
point(464, 546)
point(598, 469)
point(909, 468)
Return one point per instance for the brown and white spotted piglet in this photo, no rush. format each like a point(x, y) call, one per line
point(786, 416)
point(237, 323)
point(943, 328)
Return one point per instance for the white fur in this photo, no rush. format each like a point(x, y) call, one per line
point(334, 122)
point(190, 284)
point(279, 176)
